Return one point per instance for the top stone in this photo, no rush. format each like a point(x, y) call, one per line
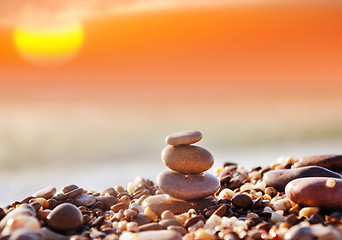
point(183, 138)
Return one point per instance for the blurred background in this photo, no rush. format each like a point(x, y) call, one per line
point(90, 89)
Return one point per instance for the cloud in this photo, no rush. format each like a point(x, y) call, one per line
point(13, 12)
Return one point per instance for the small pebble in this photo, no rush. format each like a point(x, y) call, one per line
point(65, 217)
point(242, 201)
point(46, 193)
point(183, 138)
point(85, 200)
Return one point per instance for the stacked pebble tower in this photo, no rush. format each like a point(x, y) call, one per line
point(186, 178)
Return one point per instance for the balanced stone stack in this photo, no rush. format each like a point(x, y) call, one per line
point(185, 183)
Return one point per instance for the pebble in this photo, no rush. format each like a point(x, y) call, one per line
point(107, 201)
point(163, 202)
point(242, 201)
point(51, 235)
point(85, 200)
point(332, 162)
point(148, 235)
point(65, 217)
point(73, 192)
point(24, 209)
point(26, 235)
point(25, 222)
point(279, 178)
point(69, 188)
point(188, 187)
point(151, 226)
point(314, 192)
point(183, 138)
point(187, 159)
point(46, 193)
point(169, 222)
point(181, 230)
point(299, 233)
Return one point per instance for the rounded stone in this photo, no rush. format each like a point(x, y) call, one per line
point(183, 138)
point(187, 159)
point(46, 193)
point(242, 201)
point(65, 217)
point(332, 162)
point(163, 202)
point(322, 192)
point(188, 187)
point(85, 200)
point(155, 234)
point(279, 178)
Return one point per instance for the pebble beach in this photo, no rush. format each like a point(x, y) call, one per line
point(291, 198)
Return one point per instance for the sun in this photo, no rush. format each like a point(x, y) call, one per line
point(47, 44)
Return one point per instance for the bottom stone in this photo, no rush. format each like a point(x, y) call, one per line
point(160, 203)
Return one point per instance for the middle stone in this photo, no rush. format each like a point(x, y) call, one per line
point(187, 159)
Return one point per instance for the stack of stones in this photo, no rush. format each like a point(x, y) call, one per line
point(185, 183)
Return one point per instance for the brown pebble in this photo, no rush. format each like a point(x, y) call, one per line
point(280, 178)
point(85, 200)
point(107, 201)
point(119, 206)
point(187, 159)
point(36, 205)
point(332, 162)
point(150, 226)
point(74, 193)
point(52, 203)
point(183, 138)
point(291, 220)
point(141, 219)
point(65, 217)
point(98, 205)
point(271, 191)
point(60, 196)
point(46, 193)
point(69, 188)
point(111, 191)
point(314, 192)
point(242, 201)
point(194, 220)
point(168, 222)
point(188, 187)
point(41, 215)
point(221, 211)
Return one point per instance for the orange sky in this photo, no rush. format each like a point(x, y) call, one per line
point(255, 45)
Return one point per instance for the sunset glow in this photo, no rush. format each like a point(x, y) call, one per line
point(48, 44)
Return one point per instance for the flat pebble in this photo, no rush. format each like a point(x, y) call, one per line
point(316, 192)
point(183, 138)
point(46, 193)
point(163, 202)
point(74, 192)
point(279, 178)
point(242, 201)
point(85, 200)
point(187, 159)
point(65, 217)
point(188, 187)
point(69, 188)
point(332, 162)
point(107, 201)
point(148, 235)
point(151, 226)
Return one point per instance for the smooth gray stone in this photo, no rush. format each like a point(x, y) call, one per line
point(279, 178)
point(332, 162)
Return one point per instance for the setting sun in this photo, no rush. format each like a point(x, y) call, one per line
point(49, 44)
